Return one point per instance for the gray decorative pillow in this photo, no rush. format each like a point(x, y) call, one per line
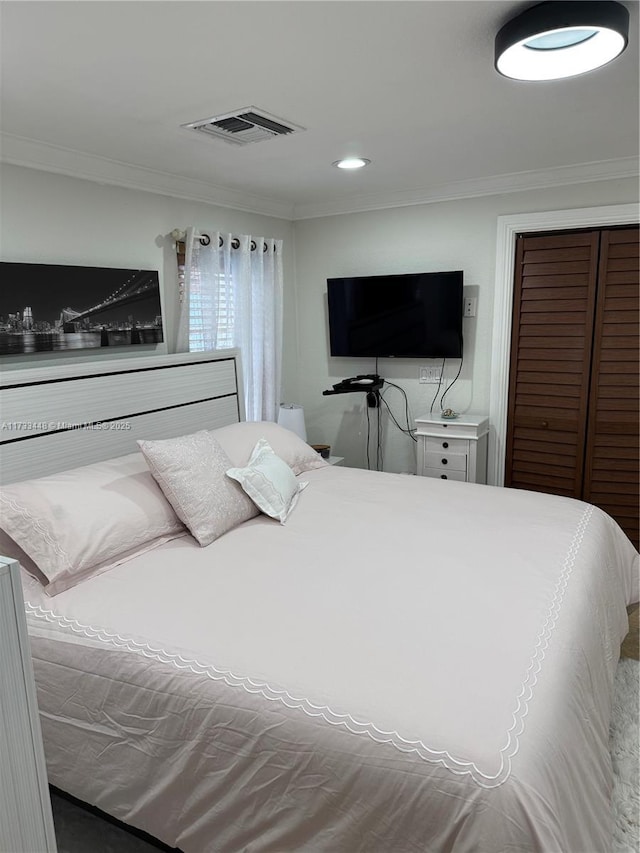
point(190, 470)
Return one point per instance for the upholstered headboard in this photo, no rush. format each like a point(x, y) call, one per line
point(54, 418)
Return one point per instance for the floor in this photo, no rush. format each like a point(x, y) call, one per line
point(79, 830)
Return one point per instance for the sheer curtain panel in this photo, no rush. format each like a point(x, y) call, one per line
point(233, 298)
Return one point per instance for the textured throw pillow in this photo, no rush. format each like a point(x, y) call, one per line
point(78, 523)
point(269, 482)
point(238, 440)
point(190, 470)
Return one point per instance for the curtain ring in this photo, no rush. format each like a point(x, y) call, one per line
point(204, 239)
point(235, 243)
point(265, 248)
point(220, 241)
point(253, 245)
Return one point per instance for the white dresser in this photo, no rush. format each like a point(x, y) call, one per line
point(26, 824)
point(453, 449)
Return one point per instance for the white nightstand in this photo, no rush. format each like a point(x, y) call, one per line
point(453, 449)
point(335, 460)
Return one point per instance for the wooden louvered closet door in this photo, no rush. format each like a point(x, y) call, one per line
point(572, 426)
point(611, 478)
point(554, 302)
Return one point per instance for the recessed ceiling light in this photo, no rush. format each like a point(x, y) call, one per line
point(351, 163)
point(561, 38)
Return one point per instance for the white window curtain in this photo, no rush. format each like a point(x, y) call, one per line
point(233, 298)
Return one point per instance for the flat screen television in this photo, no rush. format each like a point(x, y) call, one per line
point(415, 315)
point(55, 307)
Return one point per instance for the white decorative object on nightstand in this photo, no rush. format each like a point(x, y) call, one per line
point(453, 449)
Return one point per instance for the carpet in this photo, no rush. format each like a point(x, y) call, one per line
point(625, 754)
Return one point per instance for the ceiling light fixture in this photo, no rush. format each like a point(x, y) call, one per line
point(351, 163)
point(561, 38)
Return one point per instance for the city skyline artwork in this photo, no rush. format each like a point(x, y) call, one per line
point(52, 307)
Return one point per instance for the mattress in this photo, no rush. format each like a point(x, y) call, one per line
point(406, 665)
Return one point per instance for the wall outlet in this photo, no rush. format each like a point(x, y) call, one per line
point(430, 375)
point(470, 303)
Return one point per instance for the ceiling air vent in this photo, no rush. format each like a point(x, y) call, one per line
point(244, 126)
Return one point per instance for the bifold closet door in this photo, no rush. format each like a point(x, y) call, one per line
point(554, 302)
point(613, 433)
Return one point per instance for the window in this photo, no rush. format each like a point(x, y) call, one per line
point(209, 309)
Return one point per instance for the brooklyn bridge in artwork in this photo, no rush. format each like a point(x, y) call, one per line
point(48, 308)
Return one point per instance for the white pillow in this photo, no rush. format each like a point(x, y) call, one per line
point(190, 470)
point(81, 522)
point(9, 548)
point(239, 440)
point(269, 482)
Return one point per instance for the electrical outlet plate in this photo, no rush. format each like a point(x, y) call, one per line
point(470, 303)
point(430, 374)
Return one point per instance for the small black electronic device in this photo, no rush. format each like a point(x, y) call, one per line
point(361, 379)
point(364, 382)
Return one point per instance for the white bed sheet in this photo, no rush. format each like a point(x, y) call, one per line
point(407, 665)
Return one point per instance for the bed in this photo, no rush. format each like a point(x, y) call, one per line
point(405, 664)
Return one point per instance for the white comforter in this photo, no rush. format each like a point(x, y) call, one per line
point(407, 665)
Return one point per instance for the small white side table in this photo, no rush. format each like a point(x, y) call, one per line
point(335, 460)
point(453, 449)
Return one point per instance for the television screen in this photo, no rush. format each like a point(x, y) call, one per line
point(416, 315)
point(49, 307)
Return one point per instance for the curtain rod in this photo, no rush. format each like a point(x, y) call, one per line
point(179, 235)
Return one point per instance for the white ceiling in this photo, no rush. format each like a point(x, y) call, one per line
point(100, 89)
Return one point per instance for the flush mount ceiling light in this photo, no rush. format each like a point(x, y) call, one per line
point(351, 163)
point(561, 38)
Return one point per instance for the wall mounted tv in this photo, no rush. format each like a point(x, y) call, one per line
point(50, 307)
point(415, 315)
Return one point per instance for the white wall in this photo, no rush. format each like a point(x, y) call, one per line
point(443, 236)
point(48, 218)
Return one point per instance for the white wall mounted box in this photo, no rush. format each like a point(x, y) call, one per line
point(430, 374)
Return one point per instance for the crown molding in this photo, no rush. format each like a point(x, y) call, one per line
point(20, 151)
point(601, 170)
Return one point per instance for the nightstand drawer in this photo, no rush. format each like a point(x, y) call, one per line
point(446, 461)
point(452, 445)
point(439, 474)
point(456, 429)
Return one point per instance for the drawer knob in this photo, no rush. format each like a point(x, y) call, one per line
point(445, 461)
point(443, 476)
point(544, 424)
point(445, 444)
